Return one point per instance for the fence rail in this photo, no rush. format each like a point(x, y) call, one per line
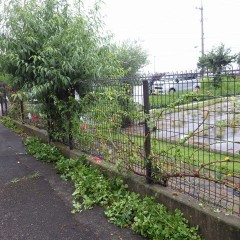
point(179, 130)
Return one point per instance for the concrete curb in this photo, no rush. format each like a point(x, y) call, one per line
point(212, 226)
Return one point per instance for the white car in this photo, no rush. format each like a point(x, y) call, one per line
point(172, 84)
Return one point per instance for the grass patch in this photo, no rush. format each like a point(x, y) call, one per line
point(166, 99)
point(194, 156)
point(228, 86)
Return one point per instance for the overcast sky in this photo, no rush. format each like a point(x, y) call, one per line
point(170, 30)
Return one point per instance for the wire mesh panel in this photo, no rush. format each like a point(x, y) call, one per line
point(196, 146)
point(112, 110)
point(192, 125)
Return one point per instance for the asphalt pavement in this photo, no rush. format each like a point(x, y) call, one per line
point(36, 204)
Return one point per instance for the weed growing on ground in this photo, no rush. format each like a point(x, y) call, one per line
point(32, 176)
point(42, 151)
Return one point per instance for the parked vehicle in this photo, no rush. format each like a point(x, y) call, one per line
point(173, 83)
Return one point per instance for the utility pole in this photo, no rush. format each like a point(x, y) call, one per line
point(154, 64)
point(79, 6)
point(202, 28)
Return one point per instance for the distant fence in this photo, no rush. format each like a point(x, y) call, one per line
point(179, 130)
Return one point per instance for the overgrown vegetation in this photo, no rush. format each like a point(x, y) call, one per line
point(123, 208)
point(42, 151)
point(6, 121)
point(53, 51)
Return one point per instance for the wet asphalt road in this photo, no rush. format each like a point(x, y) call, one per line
point(36, 204)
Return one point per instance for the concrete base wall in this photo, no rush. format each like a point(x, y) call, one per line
point(212, 226)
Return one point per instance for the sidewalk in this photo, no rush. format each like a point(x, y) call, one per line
point(36, 204)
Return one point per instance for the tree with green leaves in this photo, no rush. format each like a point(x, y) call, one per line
point(131, 56)
point(216, 61)
point(47, 46)
point(53, 51)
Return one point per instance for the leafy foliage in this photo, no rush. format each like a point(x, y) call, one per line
point(52, 52)
point(216, 60)
point(6, 78)
point(131, 56)
point(42, 151)
point(155, 222)
point(124, 208)
point(121, 111)
point(6, 121)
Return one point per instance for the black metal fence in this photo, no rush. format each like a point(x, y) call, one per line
point(197, 135)
point(179, 130)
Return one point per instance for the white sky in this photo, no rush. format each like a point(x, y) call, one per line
point(170, 30)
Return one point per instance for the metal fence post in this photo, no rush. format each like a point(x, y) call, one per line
point(5, 101)
point(1, 102)
point(147, 142)
point(70, 120)
point(70, 134)
point(22, 111)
